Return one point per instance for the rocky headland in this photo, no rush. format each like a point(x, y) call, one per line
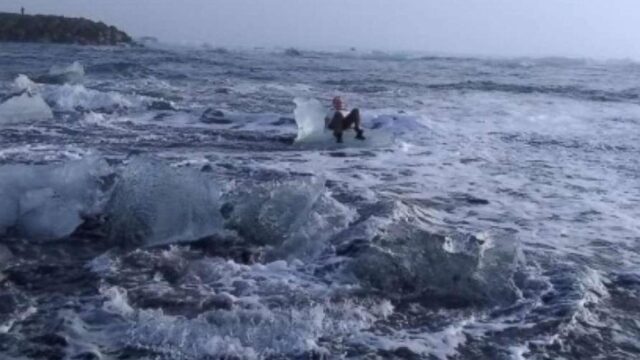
point(58, 29)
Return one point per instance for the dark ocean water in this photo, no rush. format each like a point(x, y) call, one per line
point(155, 204)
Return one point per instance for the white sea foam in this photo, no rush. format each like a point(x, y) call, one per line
point(72, 97)
point(441, 344)
point(116, 301)
point(256, 327)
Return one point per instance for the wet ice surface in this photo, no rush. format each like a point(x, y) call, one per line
point(155, 204)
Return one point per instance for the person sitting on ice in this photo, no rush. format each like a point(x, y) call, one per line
point(338, 122)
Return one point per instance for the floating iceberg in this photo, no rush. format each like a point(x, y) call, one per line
point(295, 218)
point(309, 115)
point(155, 204)
point(310, 118)
point(58, 74)
point(48, 202)
point(150, 203)
point(23, 83)
point(409, 260)
point(71, 73)
point(24, 107)
point(392, 251)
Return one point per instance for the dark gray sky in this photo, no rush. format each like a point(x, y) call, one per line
point(583, 28)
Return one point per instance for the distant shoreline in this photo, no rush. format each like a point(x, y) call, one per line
point(59, 30)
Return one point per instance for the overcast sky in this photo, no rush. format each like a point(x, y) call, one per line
point(582, 28)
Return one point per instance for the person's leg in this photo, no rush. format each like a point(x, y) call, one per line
point(353, 119)
point(337, 125)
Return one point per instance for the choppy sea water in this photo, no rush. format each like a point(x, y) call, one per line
point(154, 204)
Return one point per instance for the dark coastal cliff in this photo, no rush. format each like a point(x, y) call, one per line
point(58, 29)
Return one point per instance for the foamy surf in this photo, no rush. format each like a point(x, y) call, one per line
point(167, 205)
